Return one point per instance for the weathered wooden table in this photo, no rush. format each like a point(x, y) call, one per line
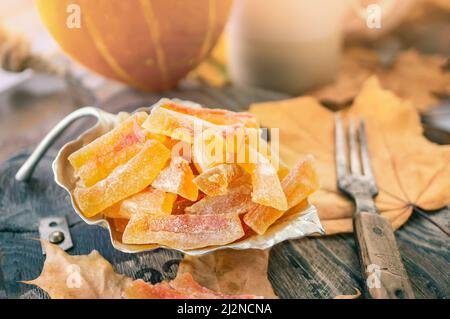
point(305, 268)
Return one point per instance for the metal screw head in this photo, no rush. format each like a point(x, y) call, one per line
point(56, 237)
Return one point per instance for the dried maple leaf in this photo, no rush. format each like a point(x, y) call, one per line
point(412, 75)
point(417, 77)
point(228, 271)
point(92, 277)
point(357, 65)
point(78, 277)
point(409, 170)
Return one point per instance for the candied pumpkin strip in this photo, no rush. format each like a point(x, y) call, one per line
point(237, 200)
point(183, 231)
point(248, 148)
point(149, 201)
point(216, 180)
point(180, 205)
point(120, 224)
point(195, 131)
point(177, 178)
point(98, 159)
point(301, 182)
point(266, 184)
point(209, 150)
point(267, 189)
point(100, 144)
point(277, 162)
point(124, 181)
point(180, 126)
point(216, 116)
point(176, 125)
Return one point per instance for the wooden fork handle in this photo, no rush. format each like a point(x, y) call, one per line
point(381, 263)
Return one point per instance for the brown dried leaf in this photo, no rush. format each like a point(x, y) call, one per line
point(412, 76)
point(409, 169)
point(79, 277)
point(417, 77)
point(92, 277)
point(232, 272)
point(182, 287)
point(357, 65)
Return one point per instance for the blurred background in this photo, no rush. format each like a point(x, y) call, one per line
point(57, 55)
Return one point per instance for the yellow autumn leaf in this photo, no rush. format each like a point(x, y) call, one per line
point(79, 277)
point(231, 271)
point(409, 169)
point(92, 277)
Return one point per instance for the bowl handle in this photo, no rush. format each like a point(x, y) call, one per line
point(27, 168)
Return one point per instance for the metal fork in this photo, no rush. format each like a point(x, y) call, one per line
point(382, 267)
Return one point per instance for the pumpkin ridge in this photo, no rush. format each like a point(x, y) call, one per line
point(153, 29)
point(107, 56)
point(210, 30)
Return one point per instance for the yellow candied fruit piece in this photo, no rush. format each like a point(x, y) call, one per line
point(177, 178)
point(149, 201)
point(301, 182)
point(120, 224)
point(99, 158)
point(124, 181)
point(183, 231)
point(216, 116)
point(266, 184)
point(216, 180)
point(175, 125)
point(237, 200)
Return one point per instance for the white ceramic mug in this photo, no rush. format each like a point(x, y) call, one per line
point(288, 45)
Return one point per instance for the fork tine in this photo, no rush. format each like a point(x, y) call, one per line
point(365, 158)
point(341, 164)
point(355, 167)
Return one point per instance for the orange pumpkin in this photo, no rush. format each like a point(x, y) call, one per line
point(149, 44)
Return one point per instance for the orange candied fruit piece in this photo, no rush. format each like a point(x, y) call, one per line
point(120, 224)
point(177, 178)
point(183, 231)
point(237, 200)
point(180, 205)
point(215, 181)
point(277, 162)
point(266, 184)
point(208, 150)
point(124, 181)
point(216, 116)
point(267, 189)
point(301, 182)
point(176, 125)
point(99, 158)
point(149, 201)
